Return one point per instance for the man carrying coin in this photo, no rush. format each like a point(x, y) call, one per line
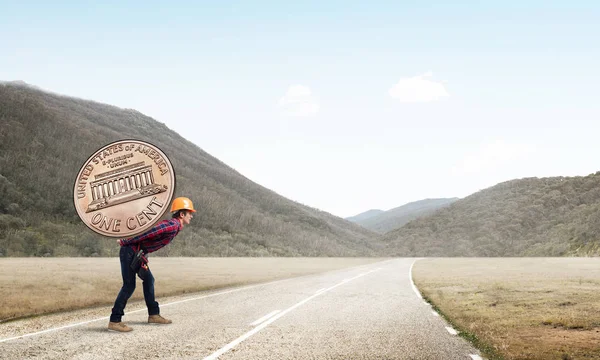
point(152, 240)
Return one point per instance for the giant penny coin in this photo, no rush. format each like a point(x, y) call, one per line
point(124, 188)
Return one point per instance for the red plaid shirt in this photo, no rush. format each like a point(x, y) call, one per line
point(157, 237)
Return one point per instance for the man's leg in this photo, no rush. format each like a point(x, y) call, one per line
point(125, 256)
point(151, 303)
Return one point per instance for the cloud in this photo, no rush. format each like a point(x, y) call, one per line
point(299, 101)
point(492, 156)
point(418, 89)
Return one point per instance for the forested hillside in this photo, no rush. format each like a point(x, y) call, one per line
point(557, 216)
point(45, 138)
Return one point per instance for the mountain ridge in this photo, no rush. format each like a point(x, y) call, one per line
point(364, 215)
point(395, 218)
point(46, 137)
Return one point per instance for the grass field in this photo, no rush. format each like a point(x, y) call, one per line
point(518, 308)
point(33, 286)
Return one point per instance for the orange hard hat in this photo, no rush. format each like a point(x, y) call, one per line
point(182, 203)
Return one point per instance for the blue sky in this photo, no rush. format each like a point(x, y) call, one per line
point(343, 106)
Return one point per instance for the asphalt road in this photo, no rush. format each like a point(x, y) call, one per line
point(366, 312)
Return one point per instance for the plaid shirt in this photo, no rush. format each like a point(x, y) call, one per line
point(157, 237)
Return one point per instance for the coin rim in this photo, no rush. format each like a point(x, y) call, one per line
point(160, 213)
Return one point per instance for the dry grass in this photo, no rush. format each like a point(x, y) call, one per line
point(33, 286)
point(521, 308)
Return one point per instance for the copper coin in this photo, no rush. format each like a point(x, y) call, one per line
point(124, 188)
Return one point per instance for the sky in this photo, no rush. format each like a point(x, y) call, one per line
point(343, 106)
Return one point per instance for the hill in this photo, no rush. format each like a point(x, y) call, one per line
point(395, 218)
point(45, 138)
point(555, 216)
point(364, 215)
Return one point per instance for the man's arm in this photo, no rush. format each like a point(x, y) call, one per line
point(155, 231)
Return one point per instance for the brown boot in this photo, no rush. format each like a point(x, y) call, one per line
point(118, 326)
point(157, 319)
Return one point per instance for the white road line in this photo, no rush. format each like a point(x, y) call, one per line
point(143, 309)
point(320, 290)
point(434, 313)
point(451, 330)
point(58, 328)
point(412, 283)
point(174, 303)
point(475, 357)
point(237, 341)
point(264, 318)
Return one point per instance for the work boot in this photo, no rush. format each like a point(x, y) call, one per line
point(118, 326)
point(157, 319)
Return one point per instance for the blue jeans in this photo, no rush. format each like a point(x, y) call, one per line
point(129, 278)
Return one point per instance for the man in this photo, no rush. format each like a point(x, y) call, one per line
point(157, 237)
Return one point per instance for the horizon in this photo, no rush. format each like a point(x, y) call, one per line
point(344, 107)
